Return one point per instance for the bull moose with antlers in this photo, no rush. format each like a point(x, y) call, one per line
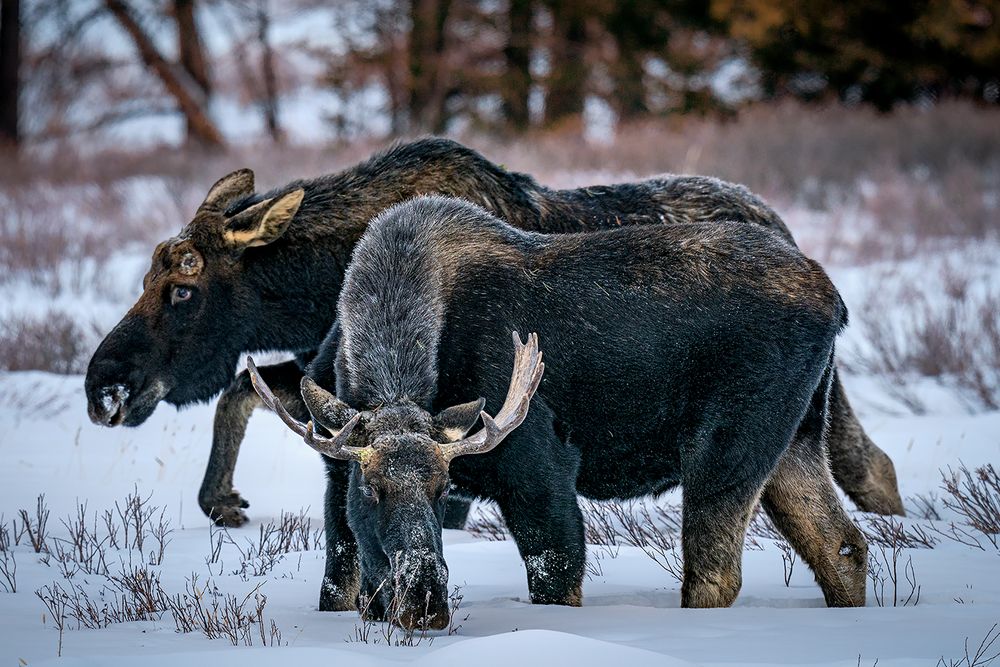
point(692, 355)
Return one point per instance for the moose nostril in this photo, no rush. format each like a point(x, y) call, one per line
point(113, 396)
point(108, 408)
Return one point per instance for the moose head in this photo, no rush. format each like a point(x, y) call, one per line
point(181, 340)
point(397, 491)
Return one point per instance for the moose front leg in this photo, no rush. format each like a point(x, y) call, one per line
point(456, 512)
point(217, 497)
point(547, 526)
point(341, 577)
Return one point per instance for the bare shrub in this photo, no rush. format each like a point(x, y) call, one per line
point(52, 342)
point(34, 528)
point(955, 342)
point(216, 538)
point(8, 564)
point(807, 153)
point(975, 496)
point(487, 524)
point(983, 655)
point(887, 531)
point(292, 532)
point(131, 595)
point(136, 594)
point(55, 603)
point(894, 582)
point(141, 521)
point(917, 209)
point(653, 529)
point(761, 527)
point(84, 547)
point(223, 616)
point(924, 506)
point(59, 236)
point(655, 532)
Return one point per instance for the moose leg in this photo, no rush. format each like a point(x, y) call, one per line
point(217, 497)
point(456, 512)
point(802, 502)
point(547, 525)
point(341, 577)
point(714, 526)
point(861, 469)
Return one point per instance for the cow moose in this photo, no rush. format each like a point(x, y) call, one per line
point(691, 355)
point(262, 271)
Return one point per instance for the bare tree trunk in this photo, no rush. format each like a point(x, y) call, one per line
point(178, 83)
point(270, 101)
point(568, 71)
point(189, 45)
point(10, 63)
point(630, 91)
point(427, 44)
point(517, 53)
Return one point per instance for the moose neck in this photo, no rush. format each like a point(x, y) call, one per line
point(298, 278)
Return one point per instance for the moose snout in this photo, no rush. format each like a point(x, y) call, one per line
point(422, 595)
point(427, 617)
point(106, 405)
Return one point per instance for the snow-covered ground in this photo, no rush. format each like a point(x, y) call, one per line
point(631, 613)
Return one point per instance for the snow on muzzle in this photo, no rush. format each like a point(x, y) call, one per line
point(420, 590)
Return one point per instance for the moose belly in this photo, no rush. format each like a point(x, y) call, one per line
point(627, 466)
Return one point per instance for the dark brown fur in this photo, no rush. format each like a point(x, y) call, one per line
point(280, 295)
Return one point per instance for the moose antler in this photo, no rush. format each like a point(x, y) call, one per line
point(524, 379)
point(335, 447)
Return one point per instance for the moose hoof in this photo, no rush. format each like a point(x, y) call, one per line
point(330, 598)
point(226, 511)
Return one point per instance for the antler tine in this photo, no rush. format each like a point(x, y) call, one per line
point(271, 401)
point(524, 380)
point(334, 447)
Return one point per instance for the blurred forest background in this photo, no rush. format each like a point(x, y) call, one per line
point(873, 127)
point(390, 67)
point(396, 68)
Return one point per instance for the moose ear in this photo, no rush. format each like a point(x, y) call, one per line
point(454, 423)
point(262, 223)
point(226, 189)
point(326, 409)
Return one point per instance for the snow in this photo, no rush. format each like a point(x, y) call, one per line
point(631, 611)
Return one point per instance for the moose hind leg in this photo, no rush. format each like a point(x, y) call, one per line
point(217, 497)
point(802, 502)
point(713, 532)
point(860, 468)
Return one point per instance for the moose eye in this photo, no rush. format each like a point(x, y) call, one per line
point(368, 492)
point(179, 293)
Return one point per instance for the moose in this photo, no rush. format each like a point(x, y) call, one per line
point(691, 355)
point(262, 271)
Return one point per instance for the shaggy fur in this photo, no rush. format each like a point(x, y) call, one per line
point(281, 295)
point(675, 355)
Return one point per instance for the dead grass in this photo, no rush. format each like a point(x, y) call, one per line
point(915, 332)
point(984, 654)
point(108, 562)
point(53, 342)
